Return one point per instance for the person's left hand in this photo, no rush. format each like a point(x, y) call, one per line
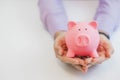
point(105, 50)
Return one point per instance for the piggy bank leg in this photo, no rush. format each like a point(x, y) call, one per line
point(94, 54)
point(70, 54)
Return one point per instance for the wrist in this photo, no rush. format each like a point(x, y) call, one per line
point(105, 34)
point(58, 33)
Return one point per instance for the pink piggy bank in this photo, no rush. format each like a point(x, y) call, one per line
point(82, 39)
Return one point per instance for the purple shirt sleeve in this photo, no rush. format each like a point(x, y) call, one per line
point(108, 15)
point(54, 17)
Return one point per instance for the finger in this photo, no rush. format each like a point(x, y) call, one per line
point(88, 60)
point(109, 50)
point(84, 69)
point(67, 60)
point(73, 61)
point(100, 59)
point(78, 67)
point(58, 49)
point(60, 52)
point(106, 44)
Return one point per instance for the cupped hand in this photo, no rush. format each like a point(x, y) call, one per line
point(104, 50)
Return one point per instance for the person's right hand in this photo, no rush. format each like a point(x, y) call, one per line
point(105, 49)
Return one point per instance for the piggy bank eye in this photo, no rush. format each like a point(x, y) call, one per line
point(78, 29)
point(86, 29)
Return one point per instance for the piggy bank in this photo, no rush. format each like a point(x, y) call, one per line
point(82, 39)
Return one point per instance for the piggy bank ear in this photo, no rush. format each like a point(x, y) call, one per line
point(93, 24)
point(71, 24)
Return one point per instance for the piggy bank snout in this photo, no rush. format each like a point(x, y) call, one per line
point(82, 40)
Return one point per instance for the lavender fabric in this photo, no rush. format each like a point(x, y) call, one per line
point(54, 17)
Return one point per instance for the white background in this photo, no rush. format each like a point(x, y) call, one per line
point(26, 49)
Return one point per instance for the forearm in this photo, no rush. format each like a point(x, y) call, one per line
point(53, 15)
point(108, 15)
